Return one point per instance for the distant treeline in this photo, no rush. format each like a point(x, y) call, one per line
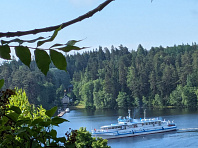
point(40, 89)
point(114, 78)
point(117, 77)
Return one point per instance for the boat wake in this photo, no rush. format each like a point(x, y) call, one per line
point(184, 130)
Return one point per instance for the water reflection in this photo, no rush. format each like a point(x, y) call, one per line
point(143, 137)
point(139, 112)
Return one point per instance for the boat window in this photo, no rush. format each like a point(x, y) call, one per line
point(123, 127)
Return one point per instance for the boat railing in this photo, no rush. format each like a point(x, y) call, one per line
point(170, 121)
point(104, 130)
point(151, 119)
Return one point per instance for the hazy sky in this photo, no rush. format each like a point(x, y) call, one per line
point(127, 22)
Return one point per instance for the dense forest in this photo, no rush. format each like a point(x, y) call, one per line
point(114, 78)
point(117, 77)
point(40, 89)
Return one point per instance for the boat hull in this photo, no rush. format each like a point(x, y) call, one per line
point(120, 134)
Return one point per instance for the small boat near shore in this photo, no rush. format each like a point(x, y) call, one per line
point(128, 127)
point(67, 110)
point(61, 113)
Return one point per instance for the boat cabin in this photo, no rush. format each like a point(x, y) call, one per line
point(112, 126)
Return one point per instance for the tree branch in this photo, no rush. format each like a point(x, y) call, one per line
point(52, 28)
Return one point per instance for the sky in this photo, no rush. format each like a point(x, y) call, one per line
point(127, 22)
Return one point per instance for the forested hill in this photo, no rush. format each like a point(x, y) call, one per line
point(116, 77)
point(40, 89)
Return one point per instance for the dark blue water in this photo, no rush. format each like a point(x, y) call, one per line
point(186, 120)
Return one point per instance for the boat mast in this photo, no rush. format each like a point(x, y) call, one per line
point(129, 111)
point(144, 113)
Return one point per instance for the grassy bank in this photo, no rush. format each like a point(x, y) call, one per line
point(79, 106)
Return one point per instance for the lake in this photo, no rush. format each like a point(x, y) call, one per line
point(185, 136)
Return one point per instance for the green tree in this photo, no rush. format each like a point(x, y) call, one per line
point(145, 101)
point(122, 100)
point(84, 139)
point(98, 93)
point(123, 73)
point(157, 101)
point(175, 98)
point(132, 81)
point(137, 102)
point(186, 63)
point(189, 98)
point(87, 94)
point(153, 83)
point(20, 100)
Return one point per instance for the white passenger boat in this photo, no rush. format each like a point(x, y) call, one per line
point(67, 110)
point(127, 127)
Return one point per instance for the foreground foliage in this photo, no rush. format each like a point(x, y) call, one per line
point(83, 139)
point(27, 127)
point(23, 125)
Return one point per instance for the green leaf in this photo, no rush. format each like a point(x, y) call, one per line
point(36, 121)
point(69, 48)
point(23, 121)
point(13, 116)
point(24, 132)
point(1, 83)
point(35, 144)
point(4, 120)
point(61, 139)
point(55, 45)
point(21, 130)
point(5, 52)
point(45, 123)
point(53, 133)
point(16, 109)
point(42, 60)
point(51, 112)
point(58, 59)
point(54, 144)
point(39, 43)
point(72, 42)
point(23, 53)
point(21, 41)
point(69, 43)
point(58, 120)
point(34, 40)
